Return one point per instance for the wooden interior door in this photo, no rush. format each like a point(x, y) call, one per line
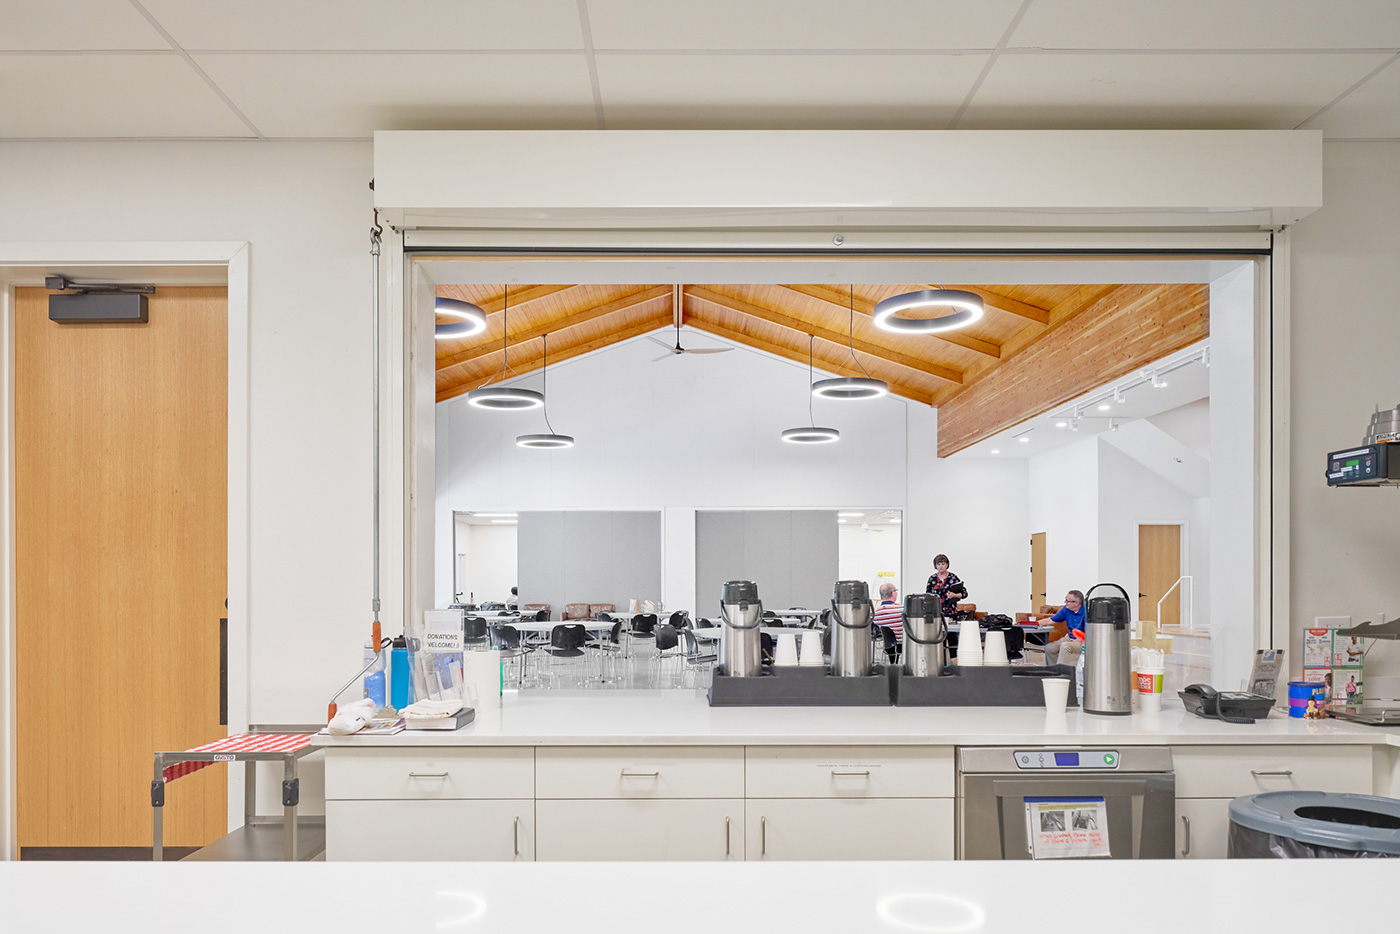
point(1159, 566)
point(1037, 571)
point(121, 518)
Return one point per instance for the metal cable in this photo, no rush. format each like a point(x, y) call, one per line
point(851, 332)
point(544, 385)
point(374, 239)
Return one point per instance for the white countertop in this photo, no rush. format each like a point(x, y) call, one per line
point(676, 717)
point(701, 898)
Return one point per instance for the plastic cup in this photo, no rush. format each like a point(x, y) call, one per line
point(1149, 687)
point(786, 652)
point(994, 649)
point(1056, 695)
point(812, 650)
point(969, 644)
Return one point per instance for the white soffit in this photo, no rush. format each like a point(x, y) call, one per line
point(902, 178)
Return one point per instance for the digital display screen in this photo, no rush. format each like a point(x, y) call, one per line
point(1354, 462)
point(1066, 758)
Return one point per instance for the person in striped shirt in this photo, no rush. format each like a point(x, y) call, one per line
point(890, 612)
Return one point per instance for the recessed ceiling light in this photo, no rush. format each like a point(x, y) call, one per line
point(503, 522)
point(850, 515)
point(995, 451)
point(896, 521)
point(495, 515)
point(1062, 424)
point(1025, 439)
point(1105, 407)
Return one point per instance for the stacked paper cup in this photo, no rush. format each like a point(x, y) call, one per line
point(994, 649)
point(969, 643)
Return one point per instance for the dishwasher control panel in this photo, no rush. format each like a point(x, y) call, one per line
point(1067, 759)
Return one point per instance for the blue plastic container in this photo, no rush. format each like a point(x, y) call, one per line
point(1300, 692)
point(400, 674)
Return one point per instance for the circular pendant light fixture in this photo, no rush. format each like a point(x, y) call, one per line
point(506, 398)
point(466, 319)
point(851, 387)
point(552, 439)
point(969, 308)
point(811, 433)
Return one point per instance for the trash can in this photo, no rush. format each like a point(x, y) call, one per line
point(1313, 825)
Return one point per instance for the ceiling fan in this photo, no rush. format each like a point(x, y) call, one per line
point(677, 302)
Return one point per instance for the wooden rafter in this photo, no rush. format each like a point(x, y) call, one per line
point(630, 300)
point(1009, 305)
point(518, 297)
point(782, 350)
point(832, 296)
point(825, 334)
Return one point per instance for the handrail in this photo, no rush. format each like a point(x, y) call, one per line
point(1189, 606)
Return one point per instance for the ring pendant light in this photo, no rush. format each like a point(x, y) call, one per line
point(552, 439)
point(506, 398)
point(851, 387)
point(810, 434)
point(969, 308)
point(469, 320)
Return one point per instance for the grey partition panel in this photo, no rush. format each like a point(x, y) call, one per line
point(790, 554)
point(589, 557)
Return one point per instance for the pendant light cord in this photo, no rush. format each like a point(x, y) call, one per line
point(851, 333)
point(505, 341)
point(544, 386)
point(810, 374)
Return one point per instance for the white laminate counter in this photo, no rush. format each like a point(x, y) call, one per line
point(604, 718)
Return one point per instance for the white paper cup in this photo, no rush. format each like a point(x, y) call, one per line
point(969, 644)
point(1148, 683)
point(786, 652)
point(994, 649)
point(1056, 695)
point(812, 650)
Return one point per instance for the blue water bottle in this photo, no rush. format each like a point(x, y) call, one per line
point(400, 674)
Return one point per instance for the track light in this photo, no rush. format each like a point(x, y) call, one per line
point(1157, 381)
point(1118, 395)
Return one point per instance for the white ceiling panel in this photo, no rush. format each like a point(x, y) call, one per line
point(120, 95)
point(1094, 91)
point(352, 95)
point(1371, 111)
point(276, 25)
point(800, 24)
point(784, 92)
point(75, 24)
point(1209, 24)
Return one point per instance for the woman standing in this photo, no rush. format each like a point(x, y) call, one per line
point(946, 585)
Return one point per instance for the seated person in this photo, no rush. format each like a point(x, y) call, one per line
point(890, 612)
point(1066, 651)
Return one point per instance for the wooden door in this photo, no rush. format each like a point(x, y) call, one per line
point(121, 517)
point(1159, 566)
point(1037, 572)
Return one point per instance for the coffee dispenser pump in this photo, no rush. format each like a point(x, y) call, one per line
point(1108, 653)
point(925, 636)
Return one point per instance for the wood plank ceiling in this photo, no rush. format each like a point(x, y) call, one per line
point(1023, 325)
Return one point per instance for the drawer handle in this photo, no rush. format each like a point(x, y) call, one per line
point(726, 838)
point(627, 773)
point(1262, 772)
point(1186, 825)
point(762, 837)
point(517, 836)
point(428, 774)
point(865, 773)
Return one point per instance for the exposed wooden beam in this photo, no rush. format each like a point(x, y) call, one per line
point(558, 324)
point(560, 354)
point(1010, 305)
point(518, 297)
point(826, 334)
point(1126, 329)
point(832, 296)
point(781, 350)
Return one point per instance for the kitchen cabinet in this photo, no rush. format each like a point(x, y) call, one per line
point(639, 772)
point(849, 828)
point(1202, 827)
point(628, 829)
point(849, 772)
point(426, 829)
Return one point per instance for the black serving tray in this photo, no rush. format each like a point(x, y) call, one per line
point(795, 686)
point(979, 686)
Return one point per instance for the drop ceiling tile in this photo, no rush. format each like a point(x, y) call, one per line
point(68, 25)
point(120, 95)
point(800, 24)
point(352, 95)
point(784, 92)
point(1372, 111)
point(270, 25)
point(1209, 24)
point(1187, 91)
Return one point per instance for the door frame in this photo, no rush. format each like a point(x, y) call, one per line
point(20, 264)
point(1183, 561)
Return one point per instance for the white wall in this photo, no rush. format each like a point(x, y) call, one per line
point(491, 568)
point(1345, 332)
point(862, 555)
point(1130, 495)
point(1064, 504)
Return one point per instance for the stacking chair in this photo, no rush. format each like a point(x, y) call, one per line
point(474, 632)
point(679, 620)
point(608, 646)
point(643, 628)
point(695, 661)
point(506, 639)
point(703, 623)
point(889, 643)
point(667, 646)
point(565, 641)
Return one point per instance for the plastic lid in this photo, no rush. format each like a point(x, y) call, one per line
point(923, 606)
point(739, 592)
point(851, 592)
point(1341, 821)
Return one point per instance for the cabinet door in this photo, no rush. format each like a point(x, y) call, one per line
point(846, 828)
point(430, 830)
point(640, 830)
point(1202, 827)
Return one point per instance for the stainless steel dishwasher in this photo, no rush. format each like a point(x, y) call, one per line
point(1066, 801)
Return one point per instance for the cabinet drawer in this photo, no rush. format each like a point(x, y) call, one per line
point(430, 830)
point(848, 772)
point(640, 830)
point(1231, 771)
point(846, 828)
point(640, 772)
point(424, 773)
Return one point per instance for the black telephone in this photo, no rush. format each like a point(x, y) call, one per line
point(1231, 707)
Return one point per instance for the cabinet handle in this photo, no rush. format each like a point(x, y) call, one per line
point(517, 836)
point(1186, 825)
point(762, 837)
point(726, 838)
point(428, 774)
point(1262, 772)
point(628, 773)
point(836, 772)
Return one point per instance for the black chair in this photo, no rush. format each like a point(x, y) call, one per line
point(889, 643)
point(679, 620)
point(703, 623)
point(565, 641)
point(610, 644)
point(667, 646)
point(765, 648)
point(541, 616)
point(643, 628)
point(474, 631)
point(506, 639)
point(695, 660)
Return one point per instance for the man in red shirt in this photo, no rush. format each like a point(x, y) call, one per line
point(890, 612)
